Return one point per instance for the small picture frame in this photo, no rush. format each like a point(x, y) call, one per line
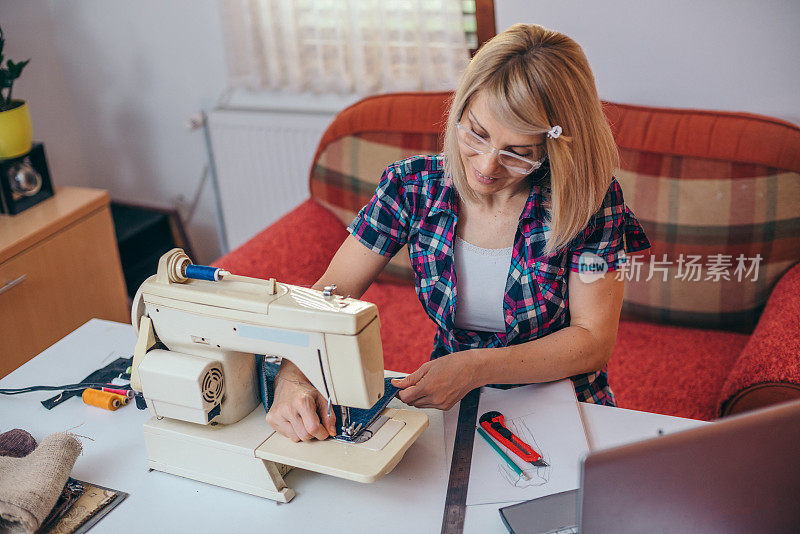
point(24, 181)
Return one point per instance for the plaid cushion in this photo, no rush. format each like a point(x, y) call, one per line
point(723, 219)
point(346, 173)
point(362, 141)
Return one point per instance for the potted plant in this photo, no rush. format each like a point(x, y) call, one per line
point(16, 130)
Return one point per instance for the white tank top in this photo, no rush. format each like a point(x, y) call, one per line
point(481, 275)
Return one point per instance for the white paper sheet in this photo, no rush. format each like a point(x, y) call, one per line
point(546, 416)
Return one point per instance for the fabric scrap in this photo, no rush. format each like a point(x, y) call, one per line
point(30, 486)
point(90, 503)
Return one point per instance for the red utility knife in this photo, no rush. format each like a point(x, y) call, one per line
point(494, 424)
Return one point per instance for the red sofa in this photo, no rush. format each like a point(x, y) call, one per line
point(745, 352)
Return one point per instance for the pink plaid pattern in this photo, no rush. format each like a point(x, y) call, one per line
point(415, 204)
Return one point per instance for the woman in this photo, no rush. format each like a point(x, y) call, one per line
point(500, 228)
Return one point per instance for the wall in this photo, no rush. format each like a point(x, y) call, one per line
point(736, 55)
point(111, 84)
point(28, 32)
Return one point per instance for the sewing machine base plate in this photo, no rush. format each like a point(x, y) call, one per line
point(352, 461)
point(219, 455)
point(252, 458)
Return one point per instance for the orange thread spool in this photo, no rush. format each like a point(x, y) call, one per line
point(123, 399)
point(101, 399)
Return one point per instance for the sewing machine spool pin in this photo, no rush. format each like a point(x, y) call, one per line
point(180, 269)
point(327, 291)
point(337, 300)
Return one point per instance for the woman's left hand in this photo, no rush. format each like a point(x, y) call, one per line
point(440, 383)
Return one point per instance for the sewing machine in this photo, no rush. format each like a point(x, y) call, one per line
point(198, 330)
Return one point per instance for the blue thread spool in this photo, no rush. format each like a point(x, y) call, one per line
point(202, 272)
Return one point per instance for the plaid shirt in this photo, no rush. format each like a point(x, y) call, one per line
point(415, 204)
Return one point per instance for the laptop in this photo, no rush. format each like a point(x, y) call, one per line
point(741, 474)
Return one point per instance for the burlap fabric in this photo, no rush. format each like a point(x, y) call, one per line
point(30, 486)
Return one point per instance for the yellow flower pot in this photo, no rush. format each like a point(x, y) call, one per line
point(16, 132)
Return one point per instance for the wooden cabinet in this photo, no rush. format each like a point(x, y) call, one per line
point(59, 267)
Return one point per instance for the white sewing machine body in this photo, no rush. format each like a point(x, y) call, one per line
point(195, 366)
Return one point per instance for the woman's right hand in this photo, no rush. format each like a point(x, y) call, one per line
point(299, 411)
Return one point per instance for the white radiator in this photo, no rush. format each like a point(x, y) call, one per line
point(261, 161)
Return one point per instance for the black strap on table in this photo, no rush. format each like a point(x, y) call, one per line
point(106, 374)
point(455, 505)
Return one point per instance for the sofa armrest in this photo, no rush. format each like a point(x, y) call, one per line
point(295, 249)
point(768, 370)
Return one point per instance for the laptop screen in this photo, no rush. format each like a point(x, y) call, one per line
point(741, 474)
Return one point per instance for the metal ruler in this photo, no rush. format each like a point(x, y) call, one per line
point(455, 505)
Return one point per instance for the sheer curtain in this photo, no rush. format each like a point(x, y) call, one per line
point(344, 46)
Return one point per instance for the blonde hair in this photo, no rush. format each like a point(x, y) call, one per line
point(537, 78)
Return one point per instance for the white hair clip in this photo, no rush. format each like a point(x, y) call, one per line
point(554, 132)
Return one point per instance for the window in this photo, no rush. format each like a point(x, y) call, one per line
point(348, 46)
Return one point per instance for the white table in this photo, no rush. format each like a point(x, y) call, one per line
point(409, 499)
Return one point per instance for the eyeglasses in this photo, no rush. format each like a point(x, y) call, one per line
point(509, 160)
